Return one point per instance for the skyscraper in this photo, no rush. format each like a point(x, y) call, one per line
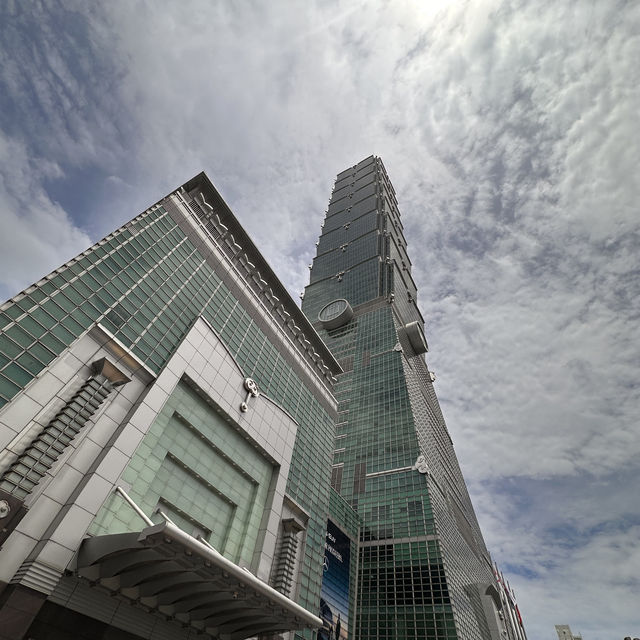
point(424, 570)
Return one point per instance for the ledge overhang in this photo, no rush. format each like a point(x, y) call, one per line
point(168, 572)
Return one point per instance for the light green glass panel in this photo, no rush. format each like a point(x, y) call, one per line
point(195, 462)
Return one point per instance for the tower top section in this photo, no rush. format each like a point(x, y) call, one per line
point(362, 252)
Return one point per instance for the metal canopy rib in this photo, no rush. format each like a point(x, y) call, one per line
point(179, 576)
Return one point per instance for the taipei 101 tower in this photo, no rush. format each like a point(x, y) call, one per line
point(423, 568)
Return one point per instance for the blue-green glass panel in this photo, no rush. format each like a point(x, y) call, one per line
point(19, 336)
point(9, 347)
point(17, 374)
point(8, 389)
point(62, 334)
point(41, 353)
point(14, 311)
point(43, 318)
point(29, 363)
point(52, 343)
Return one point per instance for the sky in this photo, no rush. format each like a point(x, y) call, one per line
point(510, 130)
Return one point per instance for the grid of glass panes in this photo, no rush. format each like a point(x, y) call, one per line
point(330, 263)
point(465, 556)
point(356, 227)
point(347, 210)
point(377, 431)
point(146, 283)
point(358, 285)
point(403, 592)
point(39, 323)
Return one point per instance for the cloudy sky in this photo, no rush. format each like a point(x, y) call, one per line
point(510, 130)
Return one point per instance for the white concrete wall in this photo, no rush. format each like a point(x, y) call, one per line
point(63, 505)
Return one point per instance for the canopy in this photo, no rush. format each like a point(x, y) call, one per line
point(167, 571)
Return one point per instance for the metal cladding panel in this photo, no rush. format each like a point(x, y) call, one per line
point(416, 338)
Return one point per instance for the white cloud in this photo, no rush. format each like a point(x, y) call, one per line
point(37, 234)
point(572, 549)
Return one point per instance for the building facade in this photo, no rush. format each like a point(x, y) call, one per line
point(510, 612)
point(423, 570)
point(166, 434)
point(564, 633)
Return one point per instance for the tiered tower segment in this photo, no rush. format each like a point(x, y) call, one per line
point(424, 570)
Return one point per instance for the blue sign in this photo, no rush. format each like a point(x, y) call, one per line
point(334, 594)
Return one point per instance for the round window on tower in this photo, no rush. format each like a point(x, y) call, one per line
point(335, 314)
